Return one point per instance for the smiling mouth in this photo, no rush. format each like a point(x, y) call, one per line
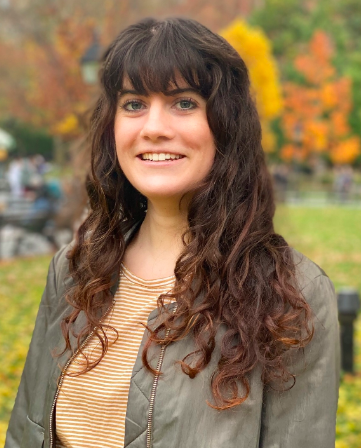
point(159, 157)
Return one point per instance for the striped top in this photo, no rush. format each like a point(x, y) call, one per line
point(91, 408)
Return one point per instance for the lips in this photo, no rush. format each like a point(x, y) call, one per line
point(159, 156)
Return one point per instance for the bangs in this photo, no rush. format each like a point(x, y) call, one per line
point(158, 58)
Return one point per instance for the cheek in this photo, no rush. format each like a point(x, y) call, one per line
point(125, 133)
point(208, 146)
point(210, 153)
point(120, 138)
point(200, 135)
point(122, 149)
point(117, 136)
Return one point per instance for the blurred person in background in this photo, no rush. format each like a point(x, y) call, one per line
point(42, 215)
point(31, 178)
point(280, 175)
point(40, 164)
point(178, 317)
point(343, 182)
point(14, 177)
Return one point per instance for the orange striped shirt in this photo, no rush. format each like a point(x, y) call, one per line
point(91, 408)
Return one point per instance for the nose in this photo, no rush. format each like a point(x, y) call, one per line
point(157, 124)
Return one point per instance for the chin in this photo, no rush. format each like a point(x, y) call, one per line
point(162, 194)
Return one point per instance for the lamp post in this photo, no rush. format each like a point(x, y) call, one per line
point(348, 301)
point(90, 61)
point(297, 138)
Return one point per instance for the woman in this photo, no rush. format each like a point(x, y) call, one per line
point(242, 349)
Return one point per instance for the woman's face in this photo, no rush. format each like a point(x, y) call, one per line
point(164, 144)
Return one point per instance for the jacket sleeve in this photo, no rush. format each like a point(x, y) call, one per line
point(305, 416)
point(19, 417)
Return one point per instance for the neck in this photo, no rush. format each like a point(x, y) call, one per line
point(155, 249)
point(163, 227)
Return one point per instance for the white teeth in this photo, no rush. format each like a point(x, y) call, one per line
point(155, 157)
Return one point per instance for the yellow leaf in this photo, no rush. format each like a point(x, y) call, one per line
point(255, 49)
point(68, 125)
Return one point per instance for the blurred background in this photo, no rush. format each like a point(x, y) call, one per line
point(304, 58)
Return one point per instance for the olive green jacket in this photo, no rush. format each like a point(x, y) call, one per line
point(171, 411)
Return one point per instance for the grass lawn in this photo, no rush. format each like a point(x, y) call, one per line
point(21, 285)
point(329, 236)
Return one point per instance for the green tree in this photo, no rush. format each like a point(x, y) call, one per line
point(290, 24)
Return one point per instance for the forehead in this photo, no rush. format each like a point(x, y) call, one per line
point(178, 83)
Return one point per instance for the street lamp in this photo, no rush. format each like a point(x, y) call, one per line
point(90, 61)
point(296, 158)
point(348, 305)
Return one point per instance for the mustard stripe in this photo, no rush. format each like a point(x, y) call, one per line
point(160, 283)
point(91, 408)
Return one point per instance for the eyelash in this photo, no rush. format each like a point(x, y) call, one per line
point(125, 104)
point(189, 100)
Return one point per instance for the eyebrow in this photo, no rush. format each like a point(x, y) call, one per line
point(167, 93)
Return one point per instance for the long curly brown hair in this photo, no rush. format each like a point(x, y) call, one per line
point(235, 271)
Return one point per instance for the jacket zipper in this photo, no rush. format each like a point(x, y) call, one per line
point(154, 389)
point(63, 374)
point(152, 396)
point(60, 383)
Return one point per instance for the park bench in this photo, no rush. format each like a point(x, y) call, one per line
point(26, 216)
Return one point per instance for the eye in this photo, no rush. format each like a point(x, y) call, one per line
point(132, 106)
point(186, 104)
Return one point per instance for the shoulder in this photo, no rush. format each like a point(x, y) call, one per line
point(61, 255)
point(306, 270)
point(59, 268)
point(315, 285)
point(60, 262)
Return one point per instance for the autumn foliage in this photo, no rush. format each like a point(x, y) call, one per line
point(254, 47)
point(44, 86)
point(315, 119)
point(41, 44)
